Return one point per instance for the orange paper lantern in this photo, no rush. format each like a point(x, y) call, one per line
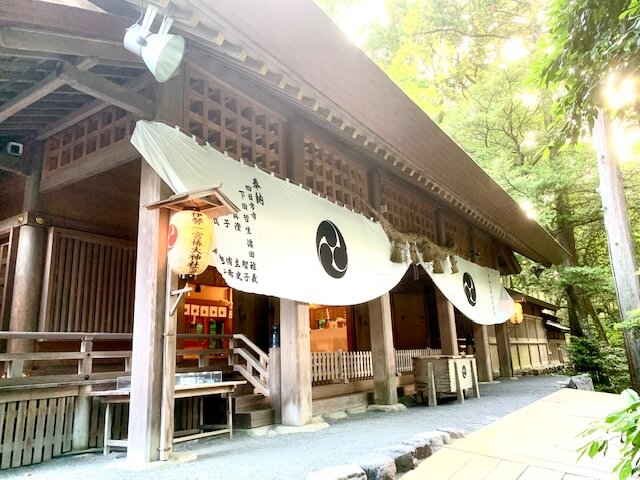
point(190, 241)
point(518, 316)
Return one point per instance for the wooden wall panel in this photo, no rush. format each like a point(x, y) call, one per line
point(408, 211)
point(456, 233)
point(11, 194)
point(88, 283)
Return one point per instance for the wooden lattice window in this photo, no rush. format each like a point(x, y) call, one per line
point(97, 132)
point(335, 176)
point(89, 283)
point(483, 250)
point(457, 233)
point(407, 211)
point(232, 122)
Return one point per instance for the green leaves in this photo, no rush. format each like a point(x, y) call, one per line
point(621, 426)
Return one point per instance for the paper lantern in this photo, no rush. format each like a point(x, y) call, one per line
point(189, 241)
point(518, 316)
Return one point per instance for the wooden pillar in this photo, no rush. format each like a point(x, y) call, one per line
point(295, 149)
point(275, 382)
point(483, 355)
point(29, 265)
point(504, 350)
point(295, 361)
point(82, 404)
point(447, 325)
point(149, 317)
point(382, 351)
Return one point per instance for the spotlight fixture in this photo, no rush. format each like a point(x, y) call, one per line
point(161, 52)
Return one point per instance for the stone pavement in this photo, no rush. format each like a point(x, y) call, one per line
point(537, 442)
point(278, 455)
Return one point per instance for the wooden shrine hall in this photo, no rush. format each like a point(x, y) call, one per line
point(85, 291)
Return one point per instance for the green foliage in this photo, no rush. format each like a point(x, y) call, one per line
point(447, 55)
point(632, 322)
point(623, 427)
point(604, 363)
point(587, 40)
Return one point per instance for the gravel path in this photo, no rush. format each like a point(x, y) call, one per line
point(293, 456)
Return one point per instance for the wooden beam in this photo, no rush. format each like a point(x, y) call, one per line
point(105, 90)
point(11, 163)
point(64, 19)
point(91, 108)
point(58, 44)
point(93, 164)
point(39, 90)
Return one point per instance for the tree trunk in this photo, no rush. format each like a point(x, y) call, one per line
point(621, 250)
point(566, 238)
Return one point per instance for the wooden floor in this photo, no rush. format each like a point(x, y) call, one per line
point(538, 442)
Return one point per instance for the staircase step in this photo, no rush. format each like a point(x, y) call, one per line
point(247, 403)
point(254, 418)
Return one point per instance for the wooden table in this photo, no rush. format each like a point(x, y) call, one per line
point(111, 397)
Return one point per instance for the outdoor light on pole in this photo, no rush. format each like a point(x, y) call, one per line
point(161, 52)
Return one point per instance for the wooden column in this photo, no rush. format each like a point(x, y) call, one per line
point(382, 351)
point(295, 149)
point(295, 361)
point(447, 325)
point(504, 350)
point(29, 265)
point(483, 355)
point(275, 366)
point(148, 324)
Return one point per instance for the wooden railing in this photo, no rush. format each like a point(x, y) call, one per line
point(404, 358)
point(339, 367)
point(250, 361)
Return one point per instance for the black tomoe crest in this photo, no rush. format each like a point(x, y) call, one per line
point(469, 287)
point(332, 251)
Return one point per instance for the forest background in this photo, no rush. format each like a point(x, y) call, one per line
point(493, 74)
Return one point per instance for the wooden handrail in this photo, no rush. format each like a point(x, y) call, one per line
point(264, 358)
point(65, 336)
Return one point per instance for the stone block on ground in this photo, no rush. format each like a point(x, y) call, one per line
point(378, 467)
point(337, 415)
point(581, 382)
point(309, 427)
point(396, 407)
point(339, 472)
point(357, 410)
point(427, 443)
point(453, 432)
point(420, 446)
point(404, 456)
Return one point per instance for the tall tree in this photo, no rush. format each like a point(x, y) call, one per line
point(591, 41)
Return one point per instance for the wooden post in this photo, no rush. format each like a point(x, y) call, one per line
point(275, 382)
point(447, 325)
point(432, 398)
point(621, 249)
point(295, 149)
point(504, 350)
point(149, 316)
point(82, 405)
point(29, 264)
point(295, 361)
point(382, 351)
point(169, 371)
point(483, 355)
